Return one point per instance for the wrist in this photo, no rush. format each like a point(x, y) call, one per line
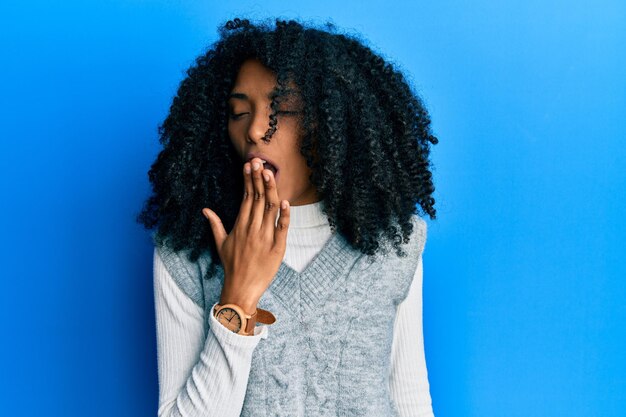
point(248, 304)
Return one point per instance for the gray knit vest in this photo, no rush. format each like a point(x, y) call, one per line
point(329, 351)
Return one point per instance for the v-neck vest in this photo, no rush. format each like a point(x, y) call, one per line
point(329, 351)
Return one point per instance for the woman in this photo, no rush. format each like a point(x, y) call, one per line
point(294, 159)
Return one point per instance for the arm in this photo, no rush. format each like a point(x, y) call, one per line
point(202, 371)
point(409, 377)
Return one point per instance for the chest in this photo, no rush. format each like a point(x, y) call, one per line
point(330, 346)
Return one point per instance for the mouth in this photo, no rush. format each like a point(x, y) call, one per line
point(271, 167)
point(267, 164)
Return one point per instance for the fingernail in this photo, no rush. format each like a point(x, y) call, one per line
point(206, 213)
point(266, 176)
point(256, 166)
point(247, 169)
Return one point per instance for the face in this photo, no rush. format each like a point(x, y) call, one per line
point(248, 121)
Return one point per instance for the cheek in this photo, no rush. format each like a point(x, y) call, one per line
point(234, 136)
point(231, 131)
point(301, 174)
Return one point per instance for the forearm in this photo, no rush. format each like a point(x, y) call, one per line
point(217, 383)
point(203, 367)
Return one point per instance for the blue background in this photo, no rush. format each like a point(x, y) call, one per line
point(524, 293)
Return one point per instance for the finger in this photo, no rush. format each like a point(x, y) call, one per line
point(258, 200)
point(272, 203)
point(246, 202)
point(282, 226)
point(219, 232)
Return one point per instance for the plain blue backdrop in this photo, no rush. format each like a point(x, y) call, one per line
point(524, 291)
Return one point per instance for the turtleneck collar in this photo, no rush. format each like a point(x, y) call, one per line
point(307, 215)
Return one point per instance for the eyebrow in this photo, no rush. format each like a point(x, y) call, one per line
point(242, 96)
point(289, 92)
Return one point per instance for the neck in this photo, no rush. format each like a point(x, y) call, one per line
point(307, 215)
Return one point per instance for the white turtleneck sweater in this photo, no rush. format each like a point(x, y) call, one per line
point(218, 372)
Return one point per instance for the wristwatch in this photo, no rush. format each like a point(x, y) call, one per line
point(234, 318)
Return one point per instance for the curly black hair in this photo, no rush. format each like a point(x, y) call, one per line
point(365, 136)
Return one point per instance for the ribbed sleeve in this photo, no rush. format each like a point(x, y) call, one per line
point(408, 383)
point(198, 375)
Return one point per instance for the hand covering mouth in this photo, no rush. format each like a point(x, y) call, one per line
point(266, 164)
point(271, 167)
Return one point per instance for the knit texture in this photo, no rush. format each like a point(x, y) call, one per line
point(330, 347)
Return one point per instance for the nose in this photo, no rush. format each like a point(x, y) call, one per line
point(259, 124)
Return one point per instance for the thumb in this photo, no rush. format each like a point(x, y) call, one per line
point(219, 232)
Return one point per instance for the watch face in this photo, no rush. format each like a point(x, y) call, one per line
point(229, 318)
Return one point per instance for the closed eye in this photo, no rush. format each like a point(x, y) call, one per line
point(236, 116)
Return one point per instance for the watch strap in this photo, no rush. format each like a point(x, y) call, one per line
point(264, 316)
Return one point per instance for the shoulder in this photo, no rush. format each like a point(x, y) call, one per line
point(409, 251)
point(417, 240)
point(187, 274)
point(415, 245)
point(411, 263)
point(418, 234)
